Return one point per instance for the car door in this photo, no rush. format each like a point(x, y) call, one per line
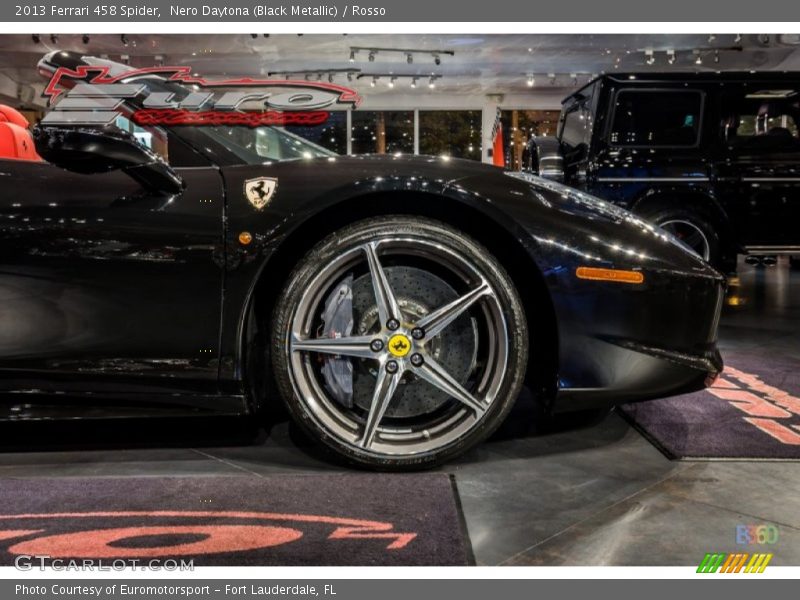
point(759, 165)
point(105, 287)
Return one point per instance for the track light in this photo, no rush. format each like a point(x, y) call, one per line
point(391, 82)
point(124, 39)
point(254, 35)
point(671, 57)
point(54, 38)
point(374, 82)
point(414, 82)
point(409, 58)
point(574, 78)
point(437, 60)
point(330, 77)
point(649, 58)
point(699, 59)
point(85, 39)
point(349, 76)
point(432, 83)
point(352, 56)
point(371, 56)
point(716, 56)
point(737, 39)
point(552, 78)
point(531, 81)
point(36, 38)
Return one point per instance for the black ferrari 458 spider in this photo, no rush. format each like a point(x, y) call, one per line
point(396, 304)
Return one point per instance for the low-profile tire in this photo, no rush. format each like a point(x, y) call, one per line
point(690, 226)
point(425, 388)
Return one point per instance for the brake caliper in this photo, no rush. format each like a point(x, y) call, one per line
point(338, 322)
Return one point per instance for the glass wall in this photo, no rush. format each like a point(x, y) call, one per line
point(332, 134)
point(519, 126)
point(382, 132)
point(455, 133)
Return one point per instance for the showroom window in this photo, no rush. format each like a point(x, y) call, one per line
point(455, 133)
point(331, 135)
point(656, 118)
point(519, 126)
point(764, 117)
point(382, 132)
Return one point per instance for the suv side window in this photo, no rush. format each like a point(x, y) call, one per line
point(764, 118)
point(656, 118)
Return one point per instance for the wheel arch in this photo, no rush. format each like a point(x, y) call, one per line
point(542, 368)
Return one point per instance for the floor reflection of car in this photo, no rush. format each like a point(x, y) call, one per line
point(714, 158)
point(395, 304)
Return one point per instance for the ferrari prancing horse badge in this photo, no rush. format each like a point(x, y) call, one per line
point(259, 191)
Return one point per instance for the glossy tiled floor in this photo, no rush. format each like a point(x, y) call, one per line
point(591, 493)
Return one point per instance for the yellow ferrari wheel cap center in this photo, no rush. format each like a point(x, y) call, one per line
point(399, 345)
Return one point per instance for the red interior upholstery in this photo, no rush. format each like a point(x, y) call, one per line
point(15, 139)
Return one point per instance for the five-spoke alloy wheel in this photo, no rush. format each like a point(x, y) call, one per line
point(399, 342)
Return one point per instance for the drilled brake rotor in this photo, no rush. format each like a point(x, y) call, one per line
point(418, 292)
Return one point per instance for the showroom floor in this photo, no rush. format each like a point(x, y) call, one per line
point(586, 494)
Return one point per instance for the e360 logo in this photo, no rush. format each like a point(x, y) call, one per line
point(756, 534)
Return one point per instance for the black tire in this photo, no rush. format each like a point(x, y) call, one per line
point(669, 217)
point(291, 367)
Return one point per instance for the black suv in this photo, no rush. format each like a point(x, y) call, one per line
point(713, 158)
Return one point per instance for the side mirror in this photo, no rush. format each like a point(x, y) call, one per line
point(546, 158)
point(99, 151)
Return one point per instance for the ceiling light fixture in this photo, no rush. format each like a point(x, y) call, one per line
point(671, 57)
point(373, 82)
point(54, 38)
point(649, 57)
point(414, 82)
point(409, 58)
point(36, 38)
point(372, 56)
point(124, 39)
point(699, 59)
point(432, 83)
point(85, 39)
point(574, 78)
point(552, 78)
point(352, 56)
point(716, 56)
point(531, 81)
point(437, 60)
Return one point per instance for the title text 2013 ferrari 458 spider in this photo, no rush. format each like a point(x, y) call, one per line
point(397, 304)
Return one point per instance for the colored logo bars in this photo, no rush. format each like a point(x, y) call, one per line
point(734, 563)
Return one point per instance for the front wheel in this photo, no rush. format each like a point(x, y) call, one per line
point(399, 342)
point(689, 226)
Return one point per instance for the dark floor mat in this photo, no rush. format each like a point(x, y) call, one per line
point(347, 519)
point(752, 411)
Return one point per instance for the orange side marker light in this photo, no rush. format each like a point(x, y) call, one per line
point(615, 275)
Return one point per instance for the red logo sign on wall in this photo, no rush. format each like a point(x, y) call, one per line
point(90, 95)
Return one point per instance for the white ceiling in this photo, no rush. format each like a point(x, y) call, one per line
point(482, 64)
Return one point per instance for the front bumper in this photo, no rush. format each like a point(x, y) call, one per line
point(622, 344)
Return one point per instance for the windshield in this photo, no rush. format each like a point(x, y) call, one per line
point(255, 145)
